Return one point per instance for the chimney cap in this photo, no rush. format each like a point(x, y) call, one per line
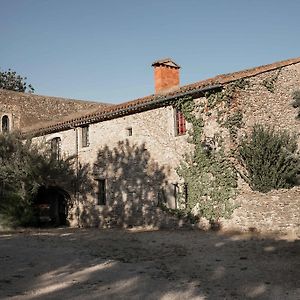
point(166, 62)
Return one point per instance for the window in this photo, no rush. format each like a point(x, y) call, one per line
point(85, 136)
point(56, 147)
point(180, 122)
point(129, 131)
point(101, 199)
point(5, 124)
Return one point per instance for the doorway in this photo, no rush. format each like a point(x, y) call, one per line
point(52, 206)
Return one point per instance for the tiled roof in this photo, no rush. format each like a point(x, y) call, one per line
point(105, 113)
point(30, 109)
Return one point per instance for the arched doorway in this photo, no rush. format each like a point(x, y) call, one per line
point(52, 205)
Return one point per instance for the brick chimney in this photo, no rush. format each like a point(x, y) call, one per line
point(166, 75)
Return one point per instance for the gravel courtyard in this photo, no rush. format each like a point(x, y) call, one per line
point(133, 264)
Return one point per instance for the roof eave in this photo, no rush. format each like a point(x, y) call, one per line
point(126, 111)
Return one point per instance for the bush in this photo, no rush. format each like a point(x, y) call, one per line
point(296, 102)
point(270, 159)
point(24, 169)
point(296, 99)
point(15, 211)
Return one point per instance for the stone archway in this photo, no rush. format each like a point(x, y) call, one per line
point(52, 205)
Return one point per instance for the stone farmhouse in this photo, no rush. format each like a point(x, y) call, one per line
point(130, 151)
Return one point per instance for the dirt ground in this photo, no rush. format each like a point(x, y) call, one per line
point(133, 264)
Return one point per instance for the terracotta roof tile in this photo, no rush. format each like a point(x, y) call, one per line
point(104, 113)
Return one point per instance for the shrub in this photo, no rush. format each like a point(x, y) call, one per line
point(16, 211)
point(296, 99)
point(296, 102)
point(270, 159)
point(24, 168)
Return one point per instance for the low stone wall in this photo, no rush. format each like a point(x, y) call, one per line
point(278, 210)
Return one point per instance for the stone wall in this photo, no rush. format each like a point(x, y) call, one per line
point(140, 169)
point(278, 210)
point(28, 109)
point(272, 108)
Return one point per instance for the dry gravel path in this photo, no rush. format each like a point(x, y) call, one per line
point(119, 264)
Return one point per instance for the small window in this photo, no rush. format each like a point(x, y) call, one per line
point(101, 194)
point(129, 131)
point(5, 124)
point(180, 123)
point(85, 136)
point(56, 147)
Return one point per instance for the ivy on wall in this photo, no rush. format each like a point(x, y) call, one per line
point(208, 171)
point(270, 82)
point(227, 95)
point(233, 123)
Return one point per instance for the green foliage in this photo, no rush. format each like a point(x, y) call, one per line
point(226, 95)
point(296, 101)
point(210, 177)
point(180, 214)
point(24, 168)
point(10, 80)
point(211, 182)
point(208, 172)
point(270, 82)
point(296, 98)
point(270, 158)
point(16, 211)
point(233, 123)
point(241, 84)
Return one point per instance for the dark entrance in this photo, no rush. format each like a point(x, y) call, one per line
point(52, 206)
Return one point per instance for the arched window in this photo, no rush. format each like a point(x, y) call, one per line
point(56, 147)
point(5, 124)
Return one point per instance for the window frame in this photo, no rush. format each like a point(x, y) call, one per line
point(101, 191)
point(129, 131)
point(56, 147)
point(85, 137)
point(180, 122)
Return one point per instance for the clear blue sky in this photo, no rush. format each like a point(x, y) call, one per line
point(103, 49)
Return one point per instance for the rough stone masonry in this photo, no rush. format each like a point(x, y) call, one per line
point(135, 147)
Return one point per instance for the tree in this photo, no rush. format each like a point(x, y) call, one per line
point(24, 169)
point(10, 80)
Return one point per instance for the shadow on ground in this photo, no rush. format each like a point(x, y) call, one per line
point(116, 264)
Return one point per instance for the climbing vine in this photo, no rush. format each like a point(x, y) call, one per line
point(270, 82)
point(227, 95)
point(208, 171)
point(233, 123)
